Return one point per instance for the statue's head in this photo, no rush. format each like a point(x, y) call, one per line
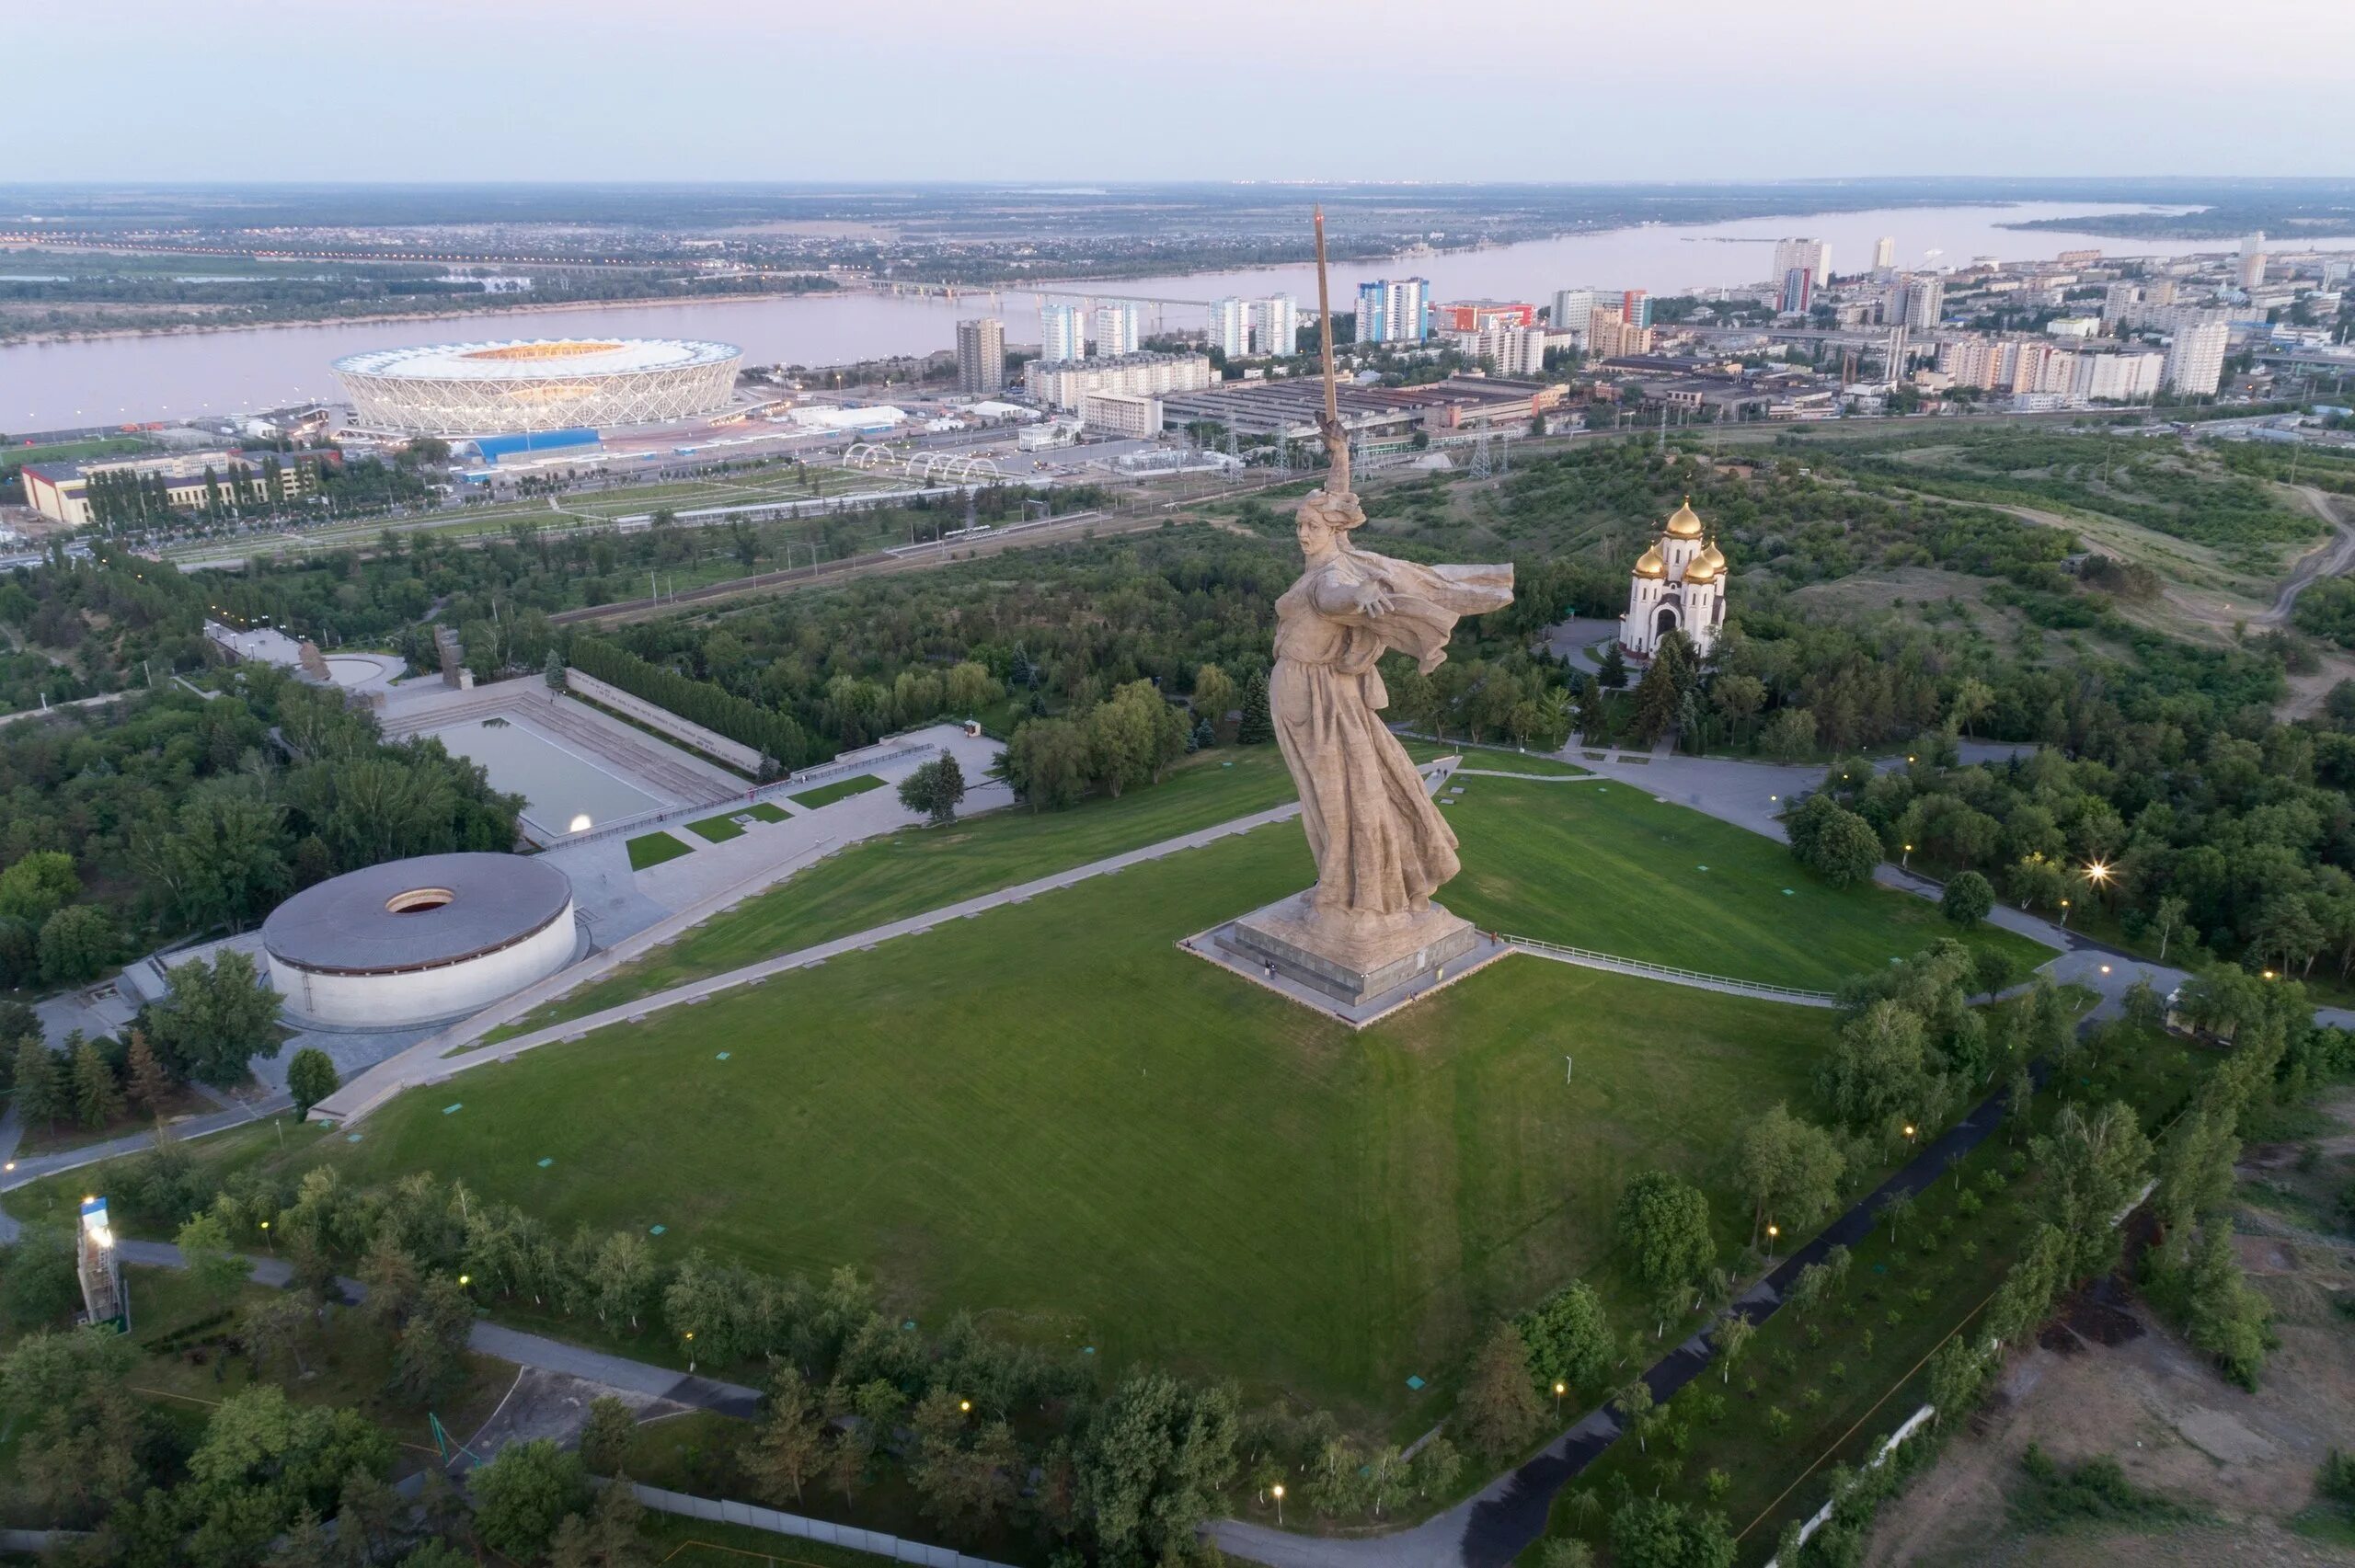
point(1325, 519)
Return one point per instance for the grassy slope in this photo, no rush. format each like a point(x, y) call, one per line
point(917, 869)
point(1053, 1116)
point(1606, 865)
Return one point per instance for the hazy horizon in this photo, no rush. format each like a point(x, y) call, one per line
point(1374, 91)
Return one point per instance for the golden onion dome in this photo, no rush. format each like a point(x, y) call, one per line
point(1700, 570)
point(1684, 523)
point(1650, 565)
point(1712, 557)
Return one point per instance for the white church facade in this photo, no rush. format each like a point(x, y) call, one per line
point(1678, 585)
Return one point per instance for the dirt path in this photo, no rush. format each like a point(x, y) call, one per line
point(2122, 1384)
point(2327, 560)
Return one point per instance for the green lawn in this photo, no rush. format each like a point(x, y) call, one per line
point(1606, 865)
point(841, 789)
point(721, 829)
point(916, 869)
point(1053, 1116)
point(653, 849)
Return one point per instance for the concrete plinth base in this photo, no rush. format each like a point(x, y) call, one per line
point(1350, 961)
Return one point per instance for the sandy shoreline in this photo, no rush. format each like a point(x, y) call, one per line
point(538, 307)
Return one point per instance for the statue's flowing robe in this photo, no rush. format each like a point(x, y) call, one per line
point(1381, 845)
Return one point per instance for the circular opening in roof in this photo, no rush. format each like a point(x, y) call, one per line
point(566, 350)
point(418, 901)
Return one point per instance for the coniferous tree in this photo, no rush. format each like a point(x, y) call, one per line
point(151, 1085)
point(1257, 726)
point(98, 1099)
point(40, 1088)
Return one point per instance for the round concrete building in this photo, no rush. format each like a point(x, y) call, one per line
point(419, 941)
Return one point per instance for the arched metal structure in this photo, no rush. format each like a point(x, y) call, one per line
point(472, 389)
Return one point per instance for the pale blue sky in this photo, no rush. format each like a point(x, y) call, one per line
point(1212, 89)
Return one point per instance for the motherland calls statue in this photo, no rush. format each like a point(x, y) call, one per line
point(1382, 848)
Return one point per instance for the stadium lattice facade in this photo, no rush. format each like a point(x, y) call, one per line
point(465, 389)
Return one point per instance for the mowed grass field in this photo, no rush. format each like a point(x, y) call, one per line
point(1604, 865)
point(1053, 1116)
point(916, 869)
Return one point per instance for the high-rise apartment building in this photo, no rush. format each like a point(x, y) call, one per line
point(1799, 291)
point(2252, 267)
point(981, 355)
point(1062, 333)
point(1572, 309)
point(1885, 253)
point(1635, 309)
point(1394, 310)
point(1925, 302)
point(1118, 324)
point(1814, 254)
point(2195, 366)
point(1230, 328)
point(2119, 300)
point(1275, 326)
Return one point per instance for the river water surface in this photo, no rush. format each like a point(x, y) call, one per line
point(164, 376)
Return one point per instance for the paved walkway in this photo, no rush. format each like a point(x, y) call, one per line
point(513, 1345)
point(428, 1064)
point(1494, 1526)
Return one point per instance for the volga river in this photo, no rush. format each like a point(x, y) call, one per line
point(161, 376)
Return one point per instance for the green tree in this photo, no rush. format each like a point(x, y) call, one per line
point(2090, 1168)
point(1611, 672)
point(1153, 1463)
point(2167, 919)
point(310, 1078)
point(41, 1089)
point(1567, 1336)
point(216, 1018)
point(935, 788)
point(77, 944)
point(2229, 1319)
point(1213, 693)
point(1649, 1532)
point(212, 1261)
point(37, 885)
point(39, 1284)
point(1256, 728)
point(1789, 1170)
point(1655, 703)
point(604, 1436)
point(429, 1356)
point(1833, 841)
point(97, 1098)
point(524, 1493)
point(1789, 735)
point(1046, 763)
point(1664, 1222)
point(1499, 1413)
point(1967, 898)
point(791, 1444)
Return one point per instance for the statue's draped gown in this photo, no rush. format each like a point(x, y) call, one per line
point(1381, 845)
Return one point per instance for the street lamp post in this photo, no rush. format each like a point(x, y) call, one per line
point(2064, 914)
point(1906, 859)
point(1277, 1491)
point(1772, 1232)
point(1560, 1388)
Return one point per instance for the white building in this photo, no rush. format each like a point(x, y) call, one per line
point(1394, 310)
point(1810, 255)
point(1924, 303)
point(1062, 333)
point(1230, 328)
point(1511, 350)
point(1127, 414)
point(1117, 324)
point(2119, 301)
point(1275, 326)
point(1678, 585)
point(2195, 364)
point(1062, 383)
point(1885, 253)
point(2252, 267)
point(1573, 309)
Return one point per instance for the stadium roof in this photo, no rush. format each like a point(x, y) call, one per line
point(538, 359)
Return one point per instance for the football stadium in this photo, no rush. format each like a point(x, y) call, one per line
point(464, 389)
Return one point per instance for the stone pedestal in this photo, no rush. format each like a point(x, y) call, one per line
point(1356, 961)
